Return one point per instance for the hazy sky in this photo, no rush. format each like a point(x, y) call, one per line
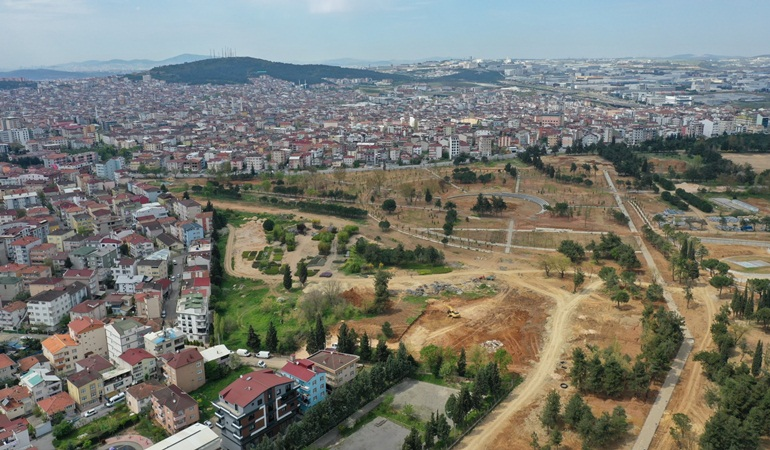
point(47, 32)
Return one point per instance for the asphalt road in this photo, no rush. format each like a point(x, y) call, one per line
point(169, 305)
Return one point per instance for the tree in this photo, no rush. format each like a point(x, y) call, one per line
point(620, 297)
point(324, 247)
point(253, 341)
point(287, 281)
point(688, 295)
point(756, 362)
point(365, 348)
point(387, 331)
point(163, 188)
point(302, 272)
point(763, 315)
point(345, 339)
point(551, 411)
point(124, 249)
point(461, 363)
point(268, 225)
point(384, 225)
point(271, 339)
point(720, 282)
point(389, 206)
point(381, 294)
point(428, 196)
point(382, 351)
point(317, 339)
point(682, 431)
point(412, 441)
point(63, 430)
point(572, 250)
point(577, 280)
point(654, 292)
point(186, 195)
point(68, 263)
point(575, 410)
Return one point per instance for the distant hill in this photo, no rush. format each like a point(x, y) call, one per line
point(240, 70)
point(47, 74)
point(124, 66)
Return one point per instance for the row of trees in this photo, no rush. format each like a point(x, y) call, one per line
point(398, 256)
point(465, 175)
point(674, 201)
point(694, 200)
point(344, 401)
point(741, 401)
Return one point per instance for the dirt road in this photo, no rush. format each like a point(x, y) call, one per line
point(533, 387)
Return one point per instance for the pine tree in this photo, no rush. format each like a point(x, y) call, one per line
point(579, 370)
point(412, 441)
point(186, 195)
point(381, 295)
point(748, 310)
point(287, 282)
point(343, 339)
point(574, 411)
point(365, 350)
point(382, 351)
point(253, 342)
point(461, 363)
point(551, 411)
point(302, 272)
point(271, 339)
point(756, 362)
point(430, 431)
point(319, 333)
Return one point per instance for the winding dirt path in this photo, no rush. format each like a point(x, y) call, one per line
point(533, 387)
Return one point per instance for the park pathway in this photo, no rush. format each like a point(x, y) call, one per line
point(647, 432)
point(509, 240)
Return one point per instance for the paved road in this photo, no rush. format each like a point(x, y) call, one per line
point(169, 305)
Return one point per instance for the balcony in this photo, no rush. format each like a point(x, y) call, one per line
point(219, 414)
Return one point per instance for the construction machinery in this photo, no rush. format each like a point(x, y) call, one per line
point(451, 312)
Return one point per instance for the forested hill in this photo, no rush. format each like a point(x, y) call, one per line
point(240, 70)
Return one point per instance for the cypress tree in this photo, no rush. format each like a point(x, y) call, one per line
point(748, 310)
point(287, 282)
point(271, 340)
point(366, 348)
point(319, 333)
point(461, 363)
point(756, 362)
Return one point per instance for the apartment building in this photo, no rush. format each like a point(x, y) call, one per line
point(62, 352)
point(256, 404)
point(184, 368)
point(124, 334)
point(90, 336)
point(86, 388)
point(12, 315)
point(339, 367)
point(47, 309)
point(20, 249)
point(142, 363)
point(173, 409)
point(41, 384)
point(168, 340)
point(193, 316)
point(311, 382)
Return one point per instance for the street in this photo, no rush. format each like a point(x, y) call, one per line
point(169, 305)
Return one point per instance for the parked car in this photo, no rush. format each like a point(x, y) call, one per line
point(263, 354)
point(208, 423)
point(262, 364)
point(242, 352)
point(89, 413)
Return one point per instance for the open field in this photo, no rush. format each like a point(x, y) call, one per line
point(759, 162)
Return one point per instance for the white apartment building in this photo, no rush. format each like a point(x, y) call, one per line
point(48, 308)
point(124, 334)
point(193, 317)
point(41, 383)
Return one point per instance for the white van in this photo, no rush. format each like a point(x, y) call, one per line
point(263, 354)
point(116, 399)
point(242, 352)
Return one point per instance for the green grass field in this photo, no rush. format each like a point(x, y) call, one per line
point(246, 302)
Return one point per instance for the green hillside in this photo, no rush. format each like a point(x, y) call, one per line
point(240, 70)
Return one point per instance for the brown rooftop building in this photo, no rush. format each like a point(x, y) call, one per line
point(339, 367)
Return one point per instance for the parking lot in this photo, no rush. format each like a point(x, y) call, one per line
point(426, 398)
point(379, 434)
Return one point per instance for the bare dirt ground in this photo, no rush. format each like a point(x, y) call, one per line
point(758, 162)
point(250, 236)
point(501, 426)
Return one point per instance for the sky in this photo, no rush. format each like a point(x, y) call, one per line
point(48, 32)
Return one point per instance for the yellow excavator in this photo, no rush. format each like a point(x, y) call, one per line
point(453, 313)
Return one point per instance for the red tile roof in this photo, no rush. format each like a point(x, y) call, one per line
point(56, 403)
point(249, 386)
point(182, 358)
point(134, 356)
point(301, 371)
